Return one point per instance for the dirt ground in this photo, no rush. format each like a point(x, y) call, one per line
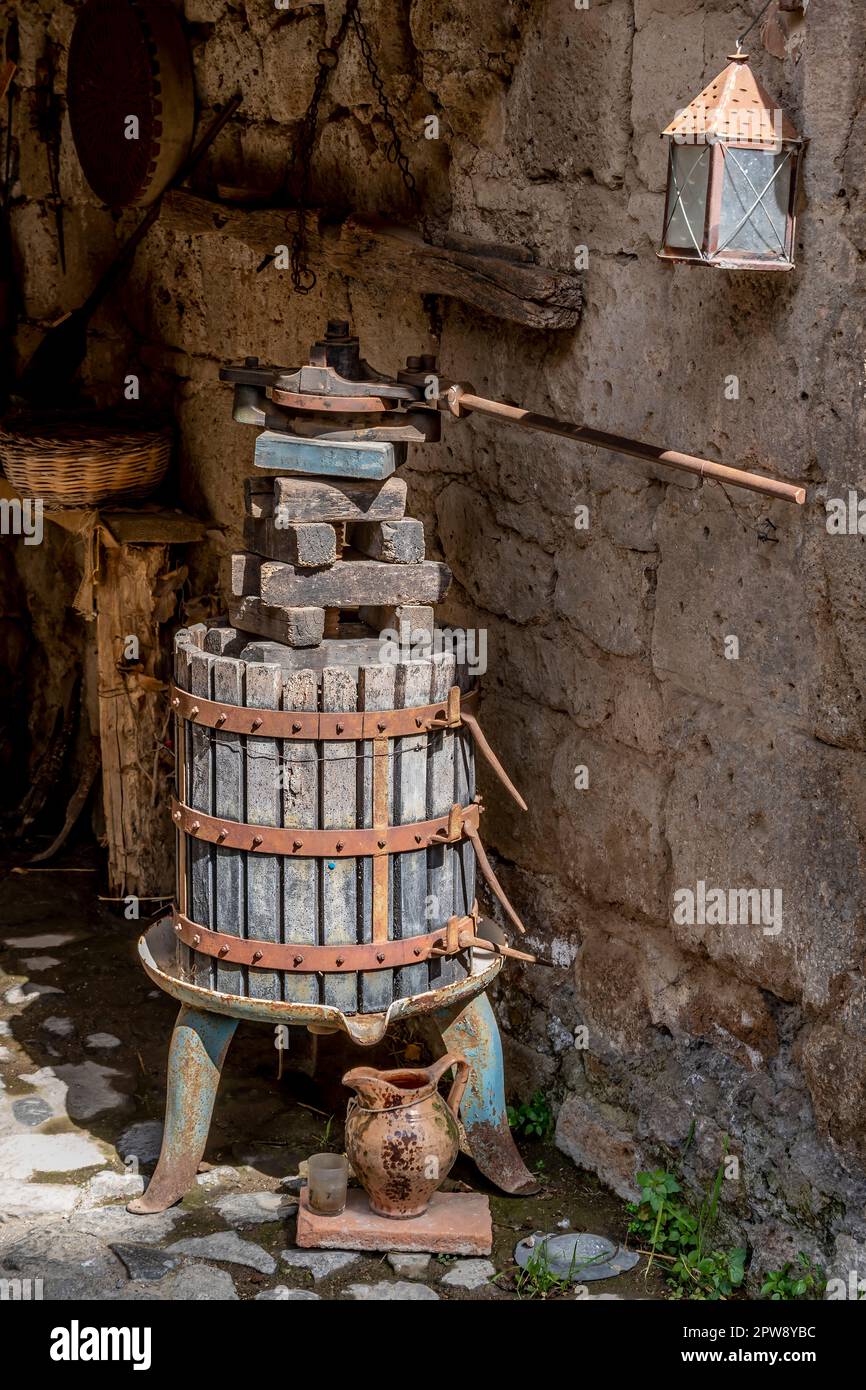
point(83, 1045)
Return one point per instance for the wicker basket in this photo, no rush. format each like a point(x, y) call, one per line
point(75, 463)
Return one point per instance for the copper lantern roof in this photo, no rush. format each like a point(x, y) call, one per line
point(734, 107)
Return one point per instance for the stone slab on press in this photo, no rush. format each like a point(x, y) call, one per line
point(296, 627)
point(455, 1223)
point(330, 458)
point(396, 542)
point(309, 544)
point(338, 499)
point(353, 583)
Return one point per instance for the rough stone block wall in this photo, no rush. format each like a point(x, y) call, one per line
point(606, 645)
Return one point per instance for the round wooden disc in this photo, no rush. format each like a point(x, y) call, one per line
point(131, 98)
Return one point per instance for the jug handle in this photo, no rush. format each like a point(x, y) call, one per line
point(455, 1095)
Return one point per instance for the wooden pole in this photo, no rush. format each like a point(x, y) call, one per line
point(461, 401)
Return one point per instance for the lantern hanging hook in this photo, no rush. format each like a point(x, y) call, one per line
point(746, 32)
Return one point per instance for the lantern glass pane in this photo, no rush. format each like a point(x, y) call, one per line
point(687, 196)
point(756, 188)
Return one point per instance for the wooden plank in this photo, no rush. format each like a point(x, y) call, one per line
point(375, 691)
point(259, 497)
point(339, 894)
point(300, 796)
point(411, 621)
point(246, 573)
point(338, 499)
point(223, 641)
point(412, 687)
point(440, 799)
point(200, 790)
point(158, 527)
point(264, 686)
point(395, 542)
point(307, 544)
point(334, 457)
point(228, 800)
point(182, 765)
point(350, 583)
point(348, 652)
point(132, 723)
point(294, 627)
point(374, 251)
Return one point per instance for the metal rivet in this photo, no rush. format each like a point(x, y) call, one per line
point(418, 722)
point(296, 844)
point(417, 839)
point(339, 960)
point(257, 955)
point(194, 711)
point(380, 956)
point(298, 960)
point(257, 840)
point(296, 728)
point(417, 951)
point(224, 950)
point(339, 845)
point(339, 728)
point(222, 835)
point(381, 726)
point(175, 703)
point(178, 927)
point(196, 941)
point(177, 815)
point(221, 718)
point(196, 825)
point(381, 843)
point(257, 723)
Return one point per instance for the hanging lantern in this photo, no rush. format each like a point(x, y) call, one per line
point(732, 177)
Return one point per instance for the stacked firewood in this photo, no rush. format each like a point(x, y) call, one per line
point(322, 551)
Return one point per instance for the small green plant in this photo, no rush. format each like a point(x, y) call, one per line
point(325, 1136)
point(533, 1118)
point(679, 1236)
point(537, 1279)
point(807, 1280)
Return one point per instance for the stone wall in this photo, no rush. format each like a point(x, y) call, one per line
point(607, 645)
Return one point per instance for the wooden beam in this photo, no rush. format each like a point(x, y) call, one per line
point(366, 249)
point(133, 723)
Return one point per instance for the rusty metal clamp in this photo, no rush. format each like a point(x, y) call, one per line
point(470, 829)
point(458, 715)
point(461, 933)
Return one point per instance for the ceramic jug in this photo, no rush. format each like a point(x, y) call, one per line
point(402, 1137)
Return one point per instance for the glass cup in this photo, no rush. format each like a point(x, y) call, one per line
point(327, 1183)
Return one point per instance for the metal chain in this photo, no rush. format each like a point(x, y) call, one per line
point(394, 152)
point(303, 278)
point(746, 32)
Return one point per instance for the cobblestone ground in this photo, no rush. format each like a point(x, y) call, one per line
point(83, 1041)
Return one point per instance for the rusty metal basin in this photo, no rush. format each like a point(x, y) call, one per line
point(157, 950)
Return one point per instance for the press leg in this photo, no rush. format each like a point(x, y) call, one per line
point(472, 1029)
point(199, 1045)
